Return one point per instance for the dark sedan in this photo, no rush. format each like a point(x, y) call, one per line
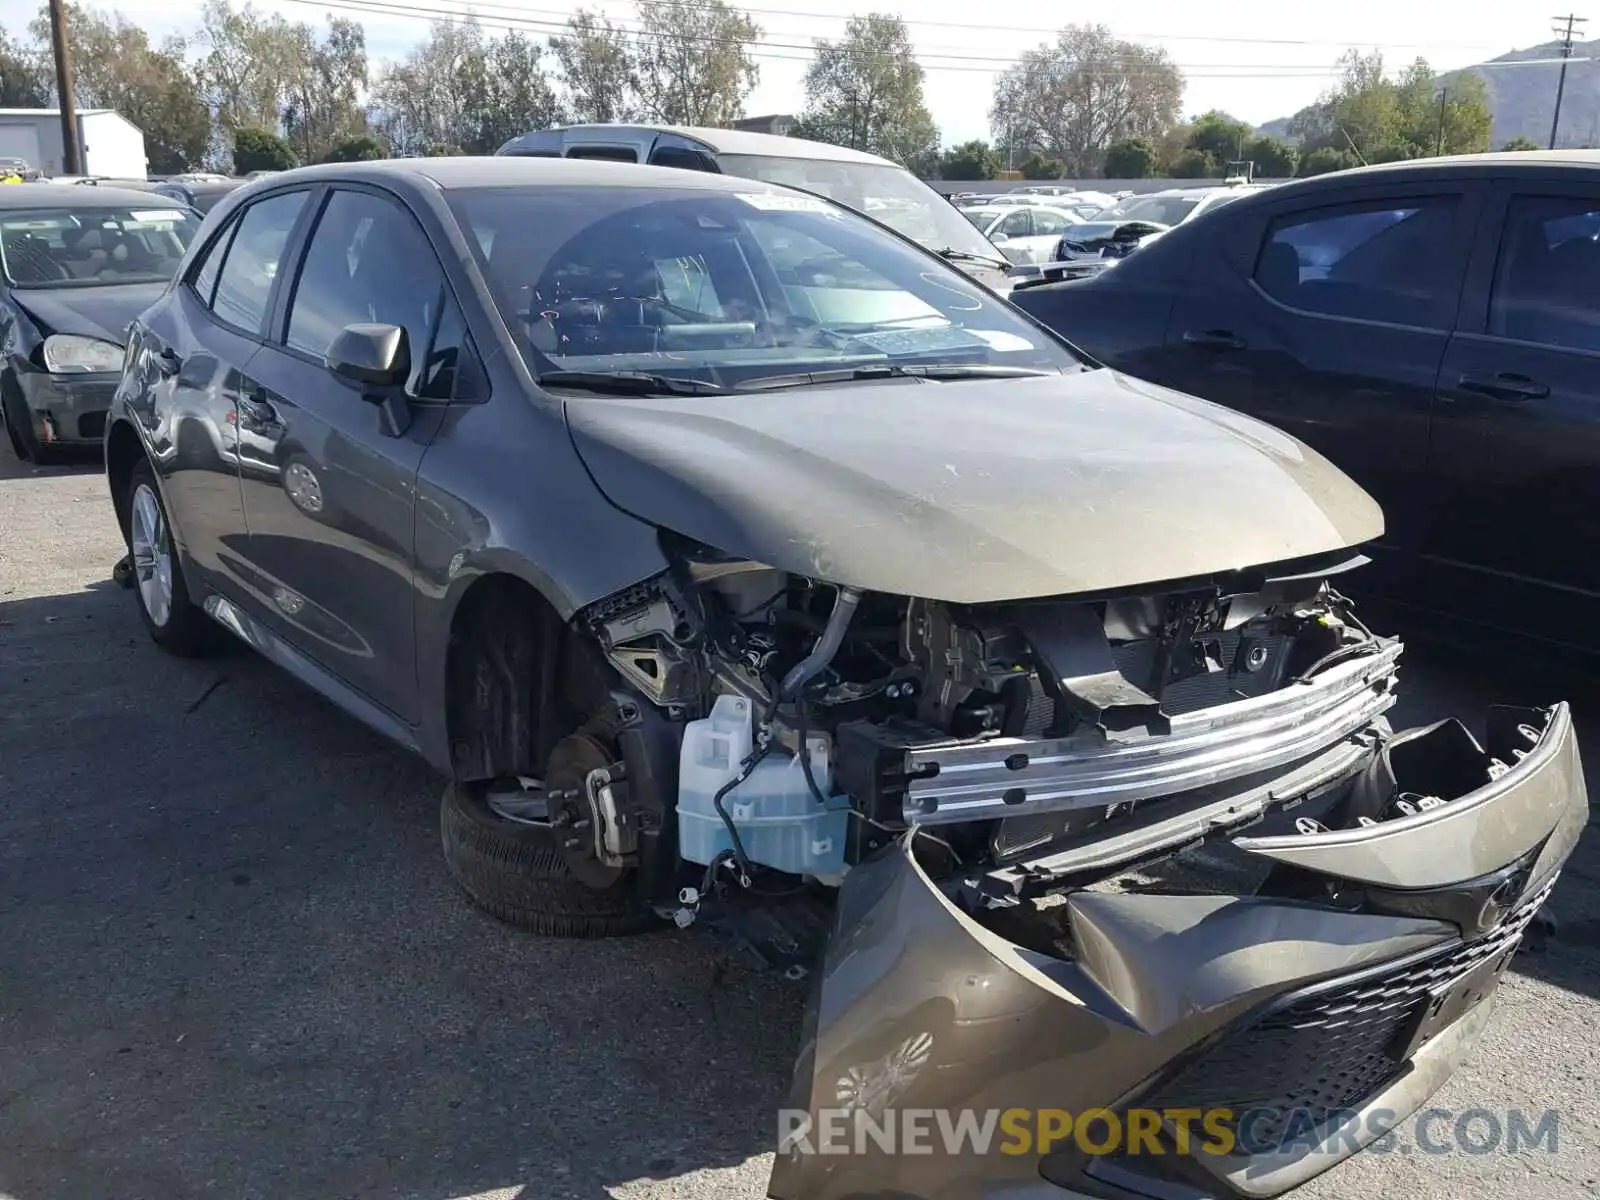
point(78, 265)
point(1434, 329)
point(743, 563)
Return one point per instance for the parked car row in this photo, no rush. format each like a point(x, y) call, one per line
point(743, 561)
point(1434, 329)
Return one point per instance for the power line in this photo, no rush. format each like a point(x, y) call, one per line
point(992, 27)
point(1561, 80)
point(763, 48)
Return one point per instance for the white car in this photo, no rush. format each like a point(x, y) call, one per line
point(1024, 233)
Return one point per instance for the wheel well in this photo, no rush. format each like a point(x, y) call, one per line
point(517, 679)
point(123, 452)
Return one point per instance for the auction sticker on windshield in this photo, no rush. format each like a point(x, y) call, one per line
point(781, 202)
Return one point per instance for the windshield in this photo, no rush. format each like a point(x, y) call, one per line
point(1158, 210)
point(90, 247)
point(727, 287)
point(885, 193)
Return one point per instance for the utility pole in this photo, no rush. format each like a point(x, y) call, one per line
point(1444, 95)
point(71, 158)
point(1565, 34)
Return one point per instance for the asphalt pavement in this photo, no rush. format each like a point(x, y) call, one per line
point(231, 963)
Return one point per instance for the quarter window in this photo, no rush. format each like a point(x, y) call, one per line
point(244, 285)
point(368, 261)
point(1386, 262)
point(1547, 280)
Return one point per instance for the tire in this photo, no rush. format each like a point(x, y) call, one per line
point(182, 629)
point(515, 872)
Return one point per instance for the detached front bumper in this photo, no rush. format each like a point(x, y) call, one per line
point(67, 409)
point(1327, 1007)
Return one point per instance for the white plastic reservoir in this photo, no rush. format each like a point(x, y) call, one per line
point(780, 822)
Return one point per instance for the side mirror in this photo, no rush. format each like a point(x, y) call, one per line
point(374, 356)
point(997, 237)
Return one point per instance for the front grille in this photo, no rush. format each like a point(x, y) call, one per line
point(1298, 1064)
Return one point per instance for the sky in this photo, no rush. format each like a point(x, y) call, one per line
point(1255, 59)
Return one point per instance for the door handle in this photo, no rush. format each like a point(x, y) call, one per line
point(1213, 339)
point(1507, 386)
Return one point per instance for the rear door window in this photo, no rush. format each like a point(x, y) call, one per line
point(1547, 277)
point(1387, 261)
point(255, 256)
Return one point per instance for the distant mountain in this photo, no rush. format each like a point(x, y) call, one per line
point(1522, 99)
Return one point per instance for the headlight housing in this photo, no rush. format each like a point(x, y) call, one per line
point(67, 353)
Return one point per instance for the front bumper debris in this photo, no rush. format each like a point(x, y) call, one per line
point(1357, 993)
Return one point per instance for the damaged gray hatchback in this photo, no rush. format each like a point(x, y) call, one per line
point(746, 565)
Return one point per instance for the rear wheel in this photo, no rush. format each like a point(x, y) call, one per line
point(508, 859)
point(176, 623)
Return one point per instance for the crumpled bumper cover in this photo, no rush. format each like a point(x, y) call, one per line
point(1162, 1001)
point(67, 409)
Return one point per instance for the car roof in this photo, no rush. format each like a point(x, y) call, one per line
point(53, 195)
point(509, 171)
point(729, 141)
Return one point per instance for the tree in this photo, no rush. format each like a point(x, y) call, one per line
point(261, 150)
point(365, 148)
point(440, 150)
point(462, 88)
point(1274, 158)
point(152, 87)
point(24, 76)
point(1326, 158)
point(1074, 97)
point(865, 91)
point(692, 64)
point(1522, 143)
point(976, 159)
point(517, 95)
point(1131, 158)
point(595, 69)
point(1373, 118)
point(1193, 164)
point(323, 94)
point(1041, 166)
point(1218, 135)
point(247, 62)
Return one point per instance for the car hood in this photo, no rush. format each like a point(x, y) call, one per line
point(973, 491)
point(104, 311)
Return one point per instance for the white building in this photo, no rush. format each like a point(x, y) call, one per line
point(111, 144)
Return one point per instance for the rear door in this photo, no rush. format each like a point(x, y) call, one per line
point(1516, 444)
point(332, 521)
point(1328, 317)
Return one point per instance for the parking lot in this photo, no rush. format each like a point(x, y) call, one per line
point(231, 963)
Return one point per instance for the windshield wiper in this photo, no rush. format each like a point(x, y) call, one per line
point(951, 254)
point(942, 371)
point(629, 383)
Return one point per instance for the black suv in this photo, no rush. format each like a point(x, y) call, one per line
point(1434, 328)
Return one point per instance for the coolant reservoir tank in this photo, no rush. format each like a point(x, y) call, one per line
point(781, 824)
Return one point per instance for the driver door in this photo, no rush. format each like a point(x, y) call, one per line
point(332, 519)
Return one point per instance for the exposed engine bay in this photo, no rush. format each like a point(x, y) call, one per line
point(1032, 746)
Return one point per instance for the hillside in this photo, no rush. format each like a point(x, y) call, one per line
point(1522, 98)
